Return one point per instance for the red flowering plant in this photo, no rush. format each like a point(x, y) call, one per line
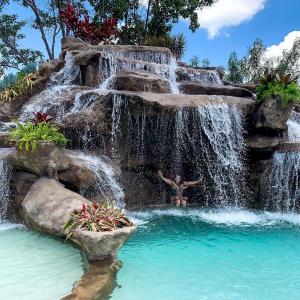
point(96, 217)
point(89, 31)
point(41, 117)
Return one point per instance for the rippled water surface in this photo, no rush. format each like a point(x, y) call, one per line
point(36, 267)
point(217, 254)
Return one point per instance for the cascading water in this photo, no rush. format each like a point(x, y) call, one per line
point(5, 175)
point(107, 185)
point(204, 142)
point(53, 99)
point(281, 185)
point(294, 127)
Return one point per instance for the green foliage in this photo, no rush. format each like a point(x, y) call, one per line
point(194, 61)
point(278, 85)
point(234, 69)
point(254, 64)
point(28, 135)
point(11, 54)
point(22, 84)
point(96, 217)
point(165, 13)
point(205, 63)
point(176, 44)
point(10, 79)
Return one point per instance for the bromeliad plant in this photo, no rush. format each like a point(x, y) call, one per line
point(283, 85)
point(96, 217)
point(91, 32)
point(20, 87)
point(40, 129)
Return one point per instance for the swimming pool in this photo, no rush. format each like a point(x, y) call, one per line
point(35, 266)
point(211, 254)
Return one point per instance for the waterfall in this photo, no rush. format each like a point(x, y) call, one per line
point(107, 185)
point(204, 142)
point(207, 76)
point(294, 127)
point(281, 184)
point(110, 64)
point(5, 175)
point(69, 74)
point(53, 100)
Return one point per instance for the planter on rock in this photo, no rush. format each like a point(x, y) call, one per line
point(101, 245)
point(271, 115)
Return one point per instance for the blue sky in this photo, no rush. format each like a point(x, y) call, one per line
point(232, 25)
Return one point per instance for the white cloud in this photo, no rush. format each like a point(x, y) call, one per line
point(228, 13)
point(286, 44)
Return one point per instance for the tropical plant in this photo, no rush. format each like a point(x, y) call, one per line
point(29, 134)
point(41, 117)
point(283, 85)
point(96, 217)
point(89, 31)
point(22, 85)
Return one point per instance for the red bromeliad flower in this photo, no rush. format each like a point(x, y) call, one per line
point(41, 118)
point(88, 30)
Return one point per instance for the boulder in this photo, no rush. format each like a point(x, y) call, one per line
point(100, 245)
point(47, 207)
point(49, 67)
point(48, 204)
point(46, 160)
point(140, 81)
point(199, 88)
point(271, 115)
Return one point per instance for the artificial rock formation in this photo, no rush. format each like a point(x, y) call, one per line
point(47, 207)
point(271, 115)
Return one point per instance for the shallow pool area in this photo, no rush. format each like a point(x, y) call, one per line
point(35, 266)
point(211, 254)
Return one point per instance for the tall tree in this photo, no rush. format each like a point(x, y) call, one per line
point(164, 13)
point(12, 55)
point(234, 74)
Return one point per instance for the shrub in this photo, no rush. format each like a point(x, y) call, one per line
point(176, 44)
point(284, 86)
point(27, 135)
point(96, 217)
point(22, 85)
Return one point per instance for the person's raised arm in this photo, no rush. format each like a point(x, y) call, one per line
point(188, 184)
point(166, 180)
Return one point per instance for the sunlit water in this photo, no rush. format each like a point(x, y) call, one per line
point(226, 254)
point(34, 266)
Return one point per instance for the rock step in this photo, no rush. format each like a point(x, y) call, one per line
point(174, 102)
point(197, 88)
point(148, 54)
point(288, 147)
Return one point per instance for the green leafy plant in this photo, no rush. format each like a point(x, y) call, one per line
point(96, 217)
point(22, 85)
point(284, 86)
point(29, 134)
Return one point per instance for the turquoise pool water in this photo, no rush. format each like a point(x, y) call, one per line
point(213, 255)
point(34, 266)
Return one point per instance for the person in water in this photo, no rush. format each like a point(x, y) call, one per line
point(178, 186)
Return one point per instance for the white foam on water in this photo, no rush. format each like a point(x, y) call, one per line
point(226, 216)
point(10, 226)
